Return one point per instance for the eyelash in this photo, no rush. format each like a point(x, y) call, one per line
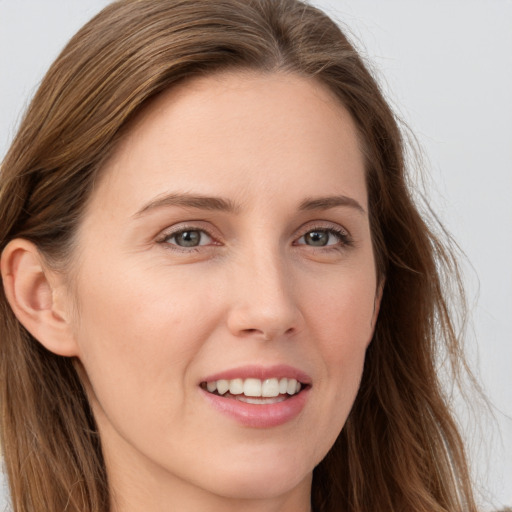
point(342, 235)
point(164, 239)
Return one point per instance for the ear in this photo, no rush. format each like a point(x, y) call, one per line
point(37, 296)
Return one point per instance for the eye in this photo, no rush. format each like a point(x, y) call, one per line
point(318, 238)
point(188, 238)
point(324, 237)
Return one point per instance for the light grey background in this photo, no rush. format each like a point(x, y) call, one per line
point(447, 68)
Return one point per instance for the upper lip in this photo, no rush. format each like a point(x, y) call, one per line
point(260, 372)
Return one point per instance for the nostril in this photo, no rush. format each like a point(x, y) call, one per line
point(267, 334)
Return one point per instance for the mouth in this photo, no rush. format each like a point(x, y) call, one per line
point(258, 396)
point(255, 391)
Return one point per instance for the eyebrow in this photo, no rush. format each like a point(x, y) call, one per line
point(189, 201)
point(325, 203)
point(225, 205)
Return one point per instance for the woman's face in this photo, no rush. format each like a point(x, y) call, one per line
point(227, 244)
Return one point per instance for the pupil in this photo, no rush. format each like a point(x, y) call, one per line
point(318, 238)
point(188, 239)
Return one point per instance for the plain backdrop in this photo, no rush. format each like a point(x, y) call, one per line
point(446, 67)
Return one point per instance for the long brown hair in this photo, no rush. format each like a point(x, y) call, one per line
point(400, 449)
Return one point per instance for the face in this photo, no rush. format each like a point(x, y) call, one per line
point(226, 254)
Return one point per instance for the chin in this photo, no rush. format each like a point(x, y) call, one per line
point(261, 478)
point(255, 485)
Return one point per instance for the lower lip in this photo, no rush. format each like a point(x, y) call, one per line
point(259, 415)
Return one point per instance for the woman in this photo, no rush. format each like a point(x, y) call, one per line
point(217, 291)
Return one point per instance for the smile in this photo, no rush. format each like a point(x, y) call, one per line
point(255, 391)
point(258, 397)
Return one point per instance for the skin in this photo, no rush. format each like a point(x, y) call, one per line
point(150, 320)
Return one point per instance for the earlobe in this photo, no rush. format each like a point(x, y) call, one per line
point(34, 294)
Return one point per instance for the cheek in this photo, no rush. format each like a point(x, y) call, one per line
point(135, 340)
point(342, 319)
point(139, 311)
point(343, 310)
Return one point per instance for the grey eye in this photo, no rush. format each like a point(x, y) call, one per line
point(189, 238)
point(325, 237)
point(317, 238)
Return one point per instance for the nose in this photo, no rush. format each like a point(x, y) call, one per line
point(264, 303)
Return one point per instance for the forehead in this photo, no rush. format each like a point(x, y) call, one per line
point(236, 133)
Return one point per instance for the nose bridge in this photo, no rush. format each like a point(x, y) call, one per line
point(264, 302)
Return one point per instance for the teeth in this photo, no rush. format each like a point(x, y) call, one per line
point(260, 400)
point(222, 386)
point(255, 388)
point(252, 387)
point(236, 386)
point(292, 386)
point(270, 388)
